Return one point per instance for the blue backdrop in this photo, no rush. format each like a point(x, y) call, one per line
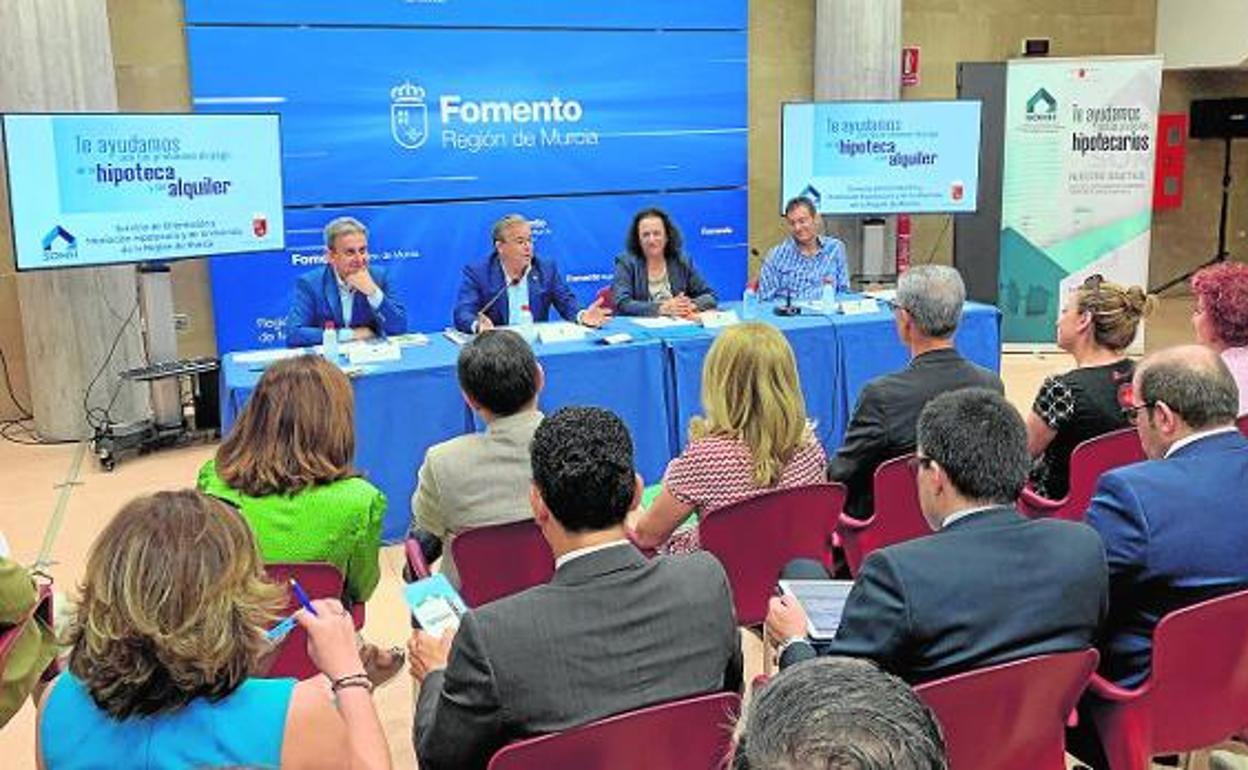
point(429, 120)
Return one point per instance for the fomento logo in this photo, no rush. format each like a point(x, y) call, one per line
point(1042, 106)
point(59, 244)
point(409, 117)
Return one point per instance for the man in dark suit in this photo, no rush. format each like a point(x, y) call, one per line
point(494, 291)
point(346, 292)
point(1176, 526)
point(989, 585)
point(927, 311)
point(611, 632)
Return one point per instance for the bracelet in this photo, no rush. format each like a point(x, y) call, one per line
point(353, 680)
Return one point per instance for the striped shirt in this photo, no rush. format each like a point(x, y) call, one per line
point(789, 271)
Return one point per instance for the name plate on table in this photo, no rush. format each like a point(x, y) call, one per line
point(372, 352)
point(718, 319)
point(859, 306)
point(560, 331)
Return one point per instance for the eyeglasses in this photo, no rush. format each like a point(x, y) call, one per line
point(920, 461)
point(1132, 413)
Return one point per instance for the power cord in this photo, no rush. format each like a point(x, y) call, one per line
point(98, 419)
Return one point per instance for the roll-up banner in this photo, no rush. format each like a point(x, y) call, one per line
point(1077, 186)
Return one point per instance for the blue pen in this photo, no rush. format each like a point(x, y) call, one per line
point(301, 596)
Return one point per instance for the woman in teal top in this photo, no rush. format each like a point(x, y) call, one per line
point(287, 466)
point(163, 645)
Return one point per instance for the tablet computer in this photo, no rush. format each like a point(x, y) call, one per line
point(823, 601)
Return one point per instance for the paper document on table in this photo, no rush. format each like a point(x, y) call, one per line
point(413, 338)
point(718, 319)
point(266, 356)
point(372, 352)
point(560, 331)
point(661, 322)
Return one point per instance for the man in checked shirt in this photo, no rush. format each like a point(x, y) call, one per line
point(797, 266)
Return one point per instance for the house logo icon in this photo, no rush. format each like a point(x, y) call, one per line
point(812, 194)
point(1042, 106)
point(59, 243)
point(409, 117)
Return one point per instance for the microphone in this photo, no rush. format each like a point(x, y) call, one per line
point(510, 283)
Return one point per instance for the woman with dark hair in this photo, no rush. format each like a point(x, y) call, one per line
point(1097, 322)
point(1221, 318)
point(287, 466)
point(654, 276)
point(166, 638)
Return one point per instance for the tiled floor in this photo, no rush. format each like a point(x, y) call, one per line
point(34, 478)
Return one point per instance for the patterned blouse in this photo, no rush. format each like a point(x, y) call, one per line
point(716, 471)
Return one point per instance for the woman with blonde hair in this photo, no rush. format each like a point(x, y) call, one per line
point(1097, 323)
point(287, 466)
point(753, 436)
point(167, 635)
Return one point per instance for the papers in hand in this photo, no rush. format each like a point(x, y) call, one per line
point(434, 603)
point(823, 601)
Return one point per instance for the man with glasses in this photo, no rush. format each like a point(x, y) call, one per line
point(1175, 527)
point(497, 291)
point(927, 311)
point(989, 586)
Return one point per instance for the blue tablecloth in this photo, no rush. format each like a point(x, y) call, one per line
point(653, 383)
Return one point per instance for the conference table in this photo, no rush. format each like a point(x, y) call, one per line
point(653, 382)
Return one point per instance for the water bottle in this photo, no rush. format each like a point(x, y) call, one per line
point(827, 297)
point(749, 301)
point(329, 342)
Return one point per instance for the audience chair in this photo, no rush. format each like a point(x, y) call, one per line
point(1089, 460)
point(1196, 695)
point(320, 581)
point(690, 734)
point(756, 537)
point(41, 610)
point(417, 569)
point(1022, 705)
point(1242, 424)
point(896, 518)
point(501, 560)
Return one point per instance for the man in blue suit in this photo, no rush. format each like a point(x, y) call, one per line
point(495, 291)
point(1176, 526)
point(345, 292)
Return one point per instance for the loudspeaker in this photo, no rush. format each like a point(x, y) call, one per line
point(1219, 118)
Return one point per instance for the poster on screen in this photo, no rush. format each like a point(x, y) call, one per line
point(1077, 187)
point(107, 189)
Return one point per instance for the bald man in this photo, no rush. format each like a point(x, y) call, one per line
point(1175, 527)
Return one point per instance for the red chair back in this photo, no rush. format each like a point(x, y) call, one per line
point(1088, 461)
point(1023, 705)
point(607, 296)
point(689, 734)
point(41, 611)
point(1242, 424)
point(756, 537)
point(897, 516)
point(501, 560)
point(1197, 694)
point(320, 581)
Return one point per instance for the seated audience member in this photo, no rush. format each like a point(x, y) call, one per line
point(838, 713)
point(495, 291)
point(989, 586)
point(1221, 318)
point(654, 276)
point(287, 467)
point(927, 311)
point(798, 266)
point(1176, 526)
point(753, 438)
point(483, 478)
point(611, 632)
point(346, 292)
point(165, 641)
point(34, 650)
point(1096, 324)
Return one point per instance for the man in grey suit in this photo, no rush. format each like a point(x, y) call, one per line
point(482, 479)
point(610, 633)
point(927, 311)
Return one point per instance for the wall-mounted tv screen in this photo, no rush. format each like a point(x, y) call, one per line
point(906, 157)
point(102, 189)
